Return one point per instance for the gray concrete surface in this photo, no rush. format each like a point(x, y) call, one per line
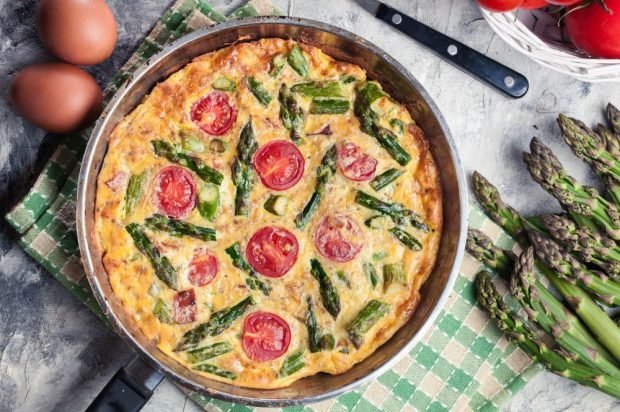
point(56, 355)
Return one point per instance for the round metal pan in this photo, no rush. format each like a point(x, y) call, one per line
point(395, 79)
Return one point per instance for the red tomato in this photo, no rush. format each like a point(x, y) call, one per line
point(500, 6)
point(564, 2)
point(534, 4)
point(595, 31)
point(214, 114)
point(272, 251)
point(184, 309)
point(354, 163)
point(175, 191)
point(279, 164)
point(202, 269)
point(265, 336)
point(339, 238)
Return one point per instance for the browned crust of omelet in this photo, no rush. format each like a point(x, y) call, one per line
point(170, 98)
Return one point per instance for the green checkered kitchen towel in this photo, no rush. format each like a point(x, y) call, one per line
point(462, 363)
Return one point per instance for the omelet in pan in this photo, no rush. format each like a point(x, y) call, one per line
point(268, 213)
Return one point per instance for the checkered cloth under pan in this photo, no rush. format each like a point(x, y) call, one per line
point(462, 363)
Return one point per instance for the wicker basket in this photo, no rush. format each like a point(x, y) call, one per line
point(537, 35)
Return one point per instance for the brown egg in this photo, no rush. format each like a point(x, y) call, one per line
point(77, 31)
point(58, 97)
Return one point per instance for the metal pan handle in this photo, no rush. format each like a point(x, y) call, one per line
point(129, 389)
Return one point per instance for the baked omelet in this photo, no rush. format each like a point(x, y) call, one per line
point(268, 213)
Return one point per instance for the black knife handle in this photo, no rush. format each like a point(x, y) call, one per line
point(495, 74)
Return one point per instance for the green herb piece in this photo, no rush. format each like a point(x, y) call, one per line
point(349, 79)
point(377, 222)
point(224, 84)
point(276, 204)
point(378, 255)
point(179, 228)
point(218, 145)
point(298, 62)
point(162, 312)
point(277, 64)
point(343, 278)
point(398, 124)
point(191, 143)
point(365, 320)
point(258, 90)
point(214, 370)
point(208, 352)
point(371, 273)
point(393, 273)
point(206, 173)
point(292, 363)
point(329, 106)
point(135, 186)
point(218, 323)
point(161, 265)
point(208, 201)
point(385, 178)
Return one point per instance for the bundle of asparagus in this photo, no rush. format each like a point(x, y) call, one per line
point(578, 251)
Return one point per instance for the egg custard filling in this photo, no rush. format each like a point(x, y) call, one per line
point(267, 213)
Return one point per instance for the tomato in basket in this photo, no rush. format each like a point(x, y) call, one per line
point(594, 30)
point(500, 6)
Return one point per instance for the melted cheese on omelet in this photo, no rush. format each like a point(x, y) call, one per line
point(164, 114)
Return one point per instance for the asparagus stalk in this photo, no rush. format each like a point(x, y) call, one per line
point(329, 295)
point(405, 238)
point(134, 191)
point(371, 273)
point(243, 171)
point(234, 251)
point(612, 143)
point(326, 89)
point(613, 114)
point(258, 90)
point(501, 213)
point(215, 370)
point(571, 293)
point(291, 114)
point(218, 323)
point(329, 106)
point(298, 62)
point(179, 228)
point(324, 172)
point(369, 121)
point(365, 320)
point(589, 146)
point(316, 341)
point(393, 273)
point(592, 247)
point(569, 268)
point(225, 84)
point(522, 287)
point(480, 246)
point(395, 211)
point(208, 352)
point(514, 327)
point(208, 201)
point(547, 170)
point(292, 363)
point(277, 64)
point(162, 312)
point(206, 173)
point(161, 265)
point(385, 178)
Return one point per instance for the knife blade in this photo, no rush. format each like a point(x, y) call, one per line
point(476, 64)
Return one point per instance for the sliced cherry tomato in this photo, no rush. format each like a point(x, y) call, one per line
point(214, 113)
point(202, 269)
point(500, 6)
point(595, 31)
point(354, 163)
point(279, 164)
point(184, 309)
point(272, 251)
point(175, 191)
point(265, 336)
point(534, 4)
point(339, 238)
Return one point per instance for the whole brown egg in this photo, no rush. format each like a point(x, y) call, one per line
point(57, 97)
point(77, 31)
